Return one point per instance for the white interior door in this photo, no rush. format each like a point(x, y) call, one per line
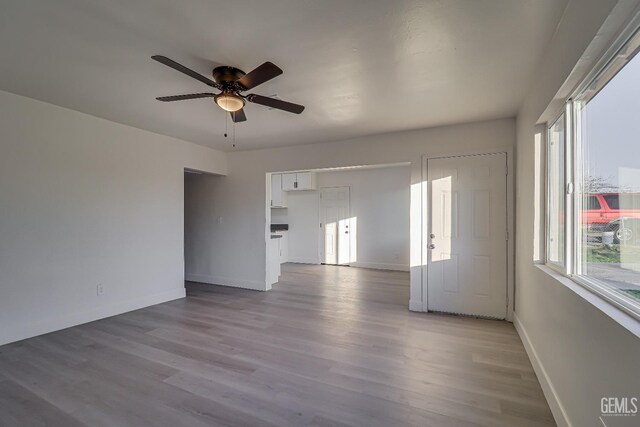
point(334, 223)
point(467, 266)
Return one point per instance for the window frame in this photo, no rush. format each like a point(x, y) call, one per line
point(557, 266)
point(573, 244)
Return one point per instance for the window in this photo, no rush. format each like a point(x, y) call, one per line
point(556, 193)
point(614, 201)
point(592, 203)
point(593, 233)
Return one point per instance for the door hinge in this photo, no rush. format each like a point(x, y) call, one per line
point(506, 169)
point(507, 236)
point(320, 225)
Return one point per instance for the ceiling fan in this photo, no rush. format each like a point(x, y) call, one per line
point(232, 82)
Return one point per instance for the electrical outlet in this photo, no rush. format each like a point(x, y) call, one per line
point(99, 289)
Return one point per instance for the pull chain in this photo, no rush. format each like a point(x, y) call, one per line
point(233, 126)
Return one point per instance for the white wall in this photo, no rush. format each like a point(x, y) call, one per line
point(380, 205)
point(580, 353)
point(84, 201)
point(302, 215)
point(241, 239)
point(379, 202)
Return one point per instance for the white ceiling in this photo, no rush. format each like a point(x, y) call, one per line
point(359, 66)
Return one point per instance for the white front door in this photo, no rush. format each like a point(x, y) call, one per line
point(467, 265)
point(334, 223)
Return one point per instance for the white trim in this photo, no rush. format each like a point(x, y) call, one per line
point(380, 266)
point(416, 305)
point(267, 285)
point(569, 189)
point(540, 225)
point(557, 409)
point(22, 331)
point(510, 177)
point(560, 266)
point(425, 191)
point(630, 29)
point(225, 281)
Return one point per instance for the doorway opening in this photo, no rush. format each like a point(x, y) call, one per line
point(346, 216)
point(203, 220)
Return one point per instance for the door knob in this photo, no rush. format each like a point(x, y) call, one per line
point(432, 246)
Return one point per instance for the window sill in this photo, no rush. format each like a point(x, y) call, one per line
point(619, 315)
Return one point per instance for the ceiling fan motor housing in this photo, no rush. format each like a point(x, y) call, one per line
point(226, 76)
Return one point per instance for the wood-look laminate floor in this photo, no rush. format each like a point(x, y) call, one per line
point(328, 346)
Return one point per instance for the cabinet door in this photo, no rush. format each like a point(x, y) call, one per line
point(284, 246)
point(274, 261)
point(288, 181)
point(276, 190)
point(305, 181)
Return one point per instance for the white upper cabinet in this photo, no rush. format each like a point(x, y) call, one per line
point(306, 181)
point(298, 181)
point(278, 196)
point(288, 181)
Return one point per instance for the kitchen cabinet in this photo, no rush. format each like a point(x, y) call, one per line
point(278, 196)
point(289, 181)
point(274, 260)
point(284, 245)
point(306, 181)
point(299, 181)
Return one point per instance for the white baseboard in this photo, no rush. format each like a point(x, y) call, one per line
point(303, 261)
point(558, 411)
point(380, 266)
point(27, 330)
point(225, 281)
point(416, 305)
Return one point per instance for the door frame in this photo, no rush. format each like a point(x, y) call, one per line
point(426, 230)
point(321, 232)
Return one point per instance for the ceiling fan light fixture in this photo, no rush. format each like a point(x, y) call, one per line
point(230, 102)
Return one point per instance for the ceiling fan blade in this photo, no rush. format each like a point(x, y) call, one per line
point(276, 103)
point(259, 75)
point(183, 97)
point(179, 67)
point(238, 116)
